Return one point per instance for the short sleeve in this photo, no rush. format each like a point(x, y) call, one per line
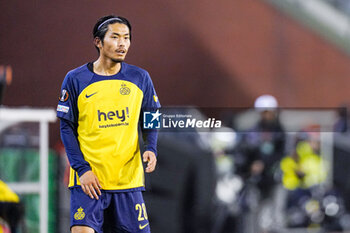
point(67, 105)
point(150, 99)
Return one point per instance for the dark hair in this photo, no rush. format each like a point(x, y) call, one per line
point(101, 27)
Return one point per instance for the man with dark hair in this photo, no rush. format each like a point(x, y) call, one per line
point(101, 27)
point(99, 109)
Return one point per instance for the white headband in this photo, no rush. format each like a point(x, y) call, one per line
point(108, 20)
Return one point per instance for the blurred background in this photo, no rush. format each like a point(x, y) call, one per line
point(257, 176)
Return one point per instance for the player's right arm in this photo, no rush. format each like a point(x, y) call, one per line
point(67, 112)
point(88, 180)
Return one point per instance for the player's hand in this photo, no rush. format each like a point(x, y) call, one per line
point(150, 157)
point(90, 184)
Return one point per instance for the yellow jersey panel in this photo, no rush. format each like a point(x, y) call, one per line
point(108, 120)
point(100, 121)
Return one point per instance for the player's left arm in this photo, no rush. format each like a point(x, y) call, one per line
point(150, 137)
point(150, 102)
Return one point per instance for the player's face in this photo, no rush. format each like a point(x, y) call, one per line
point(116, 42)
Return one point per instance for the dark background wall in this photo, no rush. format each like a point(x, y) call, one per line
point(198, 52)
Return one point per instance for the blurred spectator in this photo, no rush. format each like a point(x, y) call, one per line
point(303, 173)
point(229, 184)
point(263, 146)
point(304, 168)
point(260, 151)
point(11, 210)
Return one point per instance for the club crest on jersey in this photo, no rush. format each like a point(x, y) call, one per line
point(79, 215)
point(64, 95)
point(124, 90)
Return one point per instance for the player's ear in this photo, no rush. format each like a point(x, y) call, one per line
point(98, 42)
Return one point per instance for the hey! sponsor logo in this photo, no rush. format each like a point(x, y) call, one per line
point(113, 115)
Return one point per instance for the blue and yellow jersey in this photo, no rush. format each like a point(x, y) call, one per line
point(106, 110)
point(310, 164)
point(6, 194)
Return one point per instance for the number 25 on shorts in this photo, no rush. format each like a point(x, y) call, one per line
point(141, 208)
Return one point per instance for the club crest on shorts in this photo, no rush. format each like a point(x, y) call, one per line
point(79, 215)
point(64, 95)
point(124, 90)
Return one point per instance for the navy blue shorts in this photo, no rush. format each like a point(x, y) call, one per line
point(117, 212)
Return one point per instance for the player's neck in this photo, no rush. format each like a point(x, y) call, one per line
point(106, 67)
